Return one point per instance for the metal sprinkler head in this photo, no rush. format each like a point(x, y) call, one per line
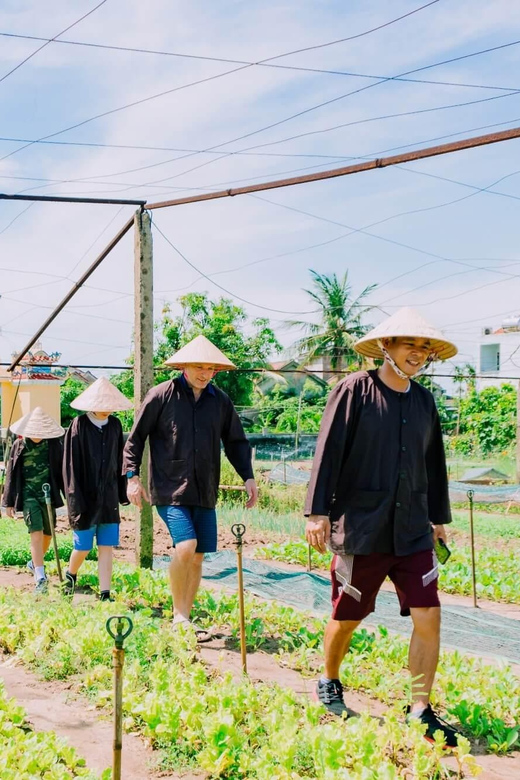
point(119, 636)
point(238, 530)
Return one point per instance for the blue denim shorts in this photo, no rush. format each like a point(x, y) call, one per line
point(107, 535)
point(191, 522)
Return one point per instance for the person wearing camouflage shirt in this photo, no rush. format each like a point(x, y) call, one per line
point(34, 460)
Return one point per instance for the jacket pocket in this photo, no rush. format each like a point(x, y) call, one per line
point(419, 520)
point(366, 511)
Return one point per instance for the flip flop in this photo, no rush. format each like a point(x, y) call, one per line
point(202, 634)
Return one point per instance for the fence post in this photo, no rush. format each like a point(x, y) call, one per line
point(143, 375)
point(518, 433)
point(470, 495)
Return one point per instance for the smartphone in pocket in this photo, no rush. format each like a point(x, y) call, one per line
point(442, 551)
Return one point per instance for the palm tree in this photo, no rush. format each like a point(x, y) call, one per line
point(333, 338)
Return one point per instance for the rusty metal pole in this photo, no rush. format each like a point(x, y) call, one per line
point(470, 495)
point(143, 366)
point(47, 494)
point(238, 530)
point(118, 660)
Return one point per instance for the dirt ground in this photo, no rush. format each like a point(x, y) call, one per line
point(162, 541)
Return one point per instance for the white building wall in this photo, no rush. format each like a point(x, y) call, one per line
point(499, 357)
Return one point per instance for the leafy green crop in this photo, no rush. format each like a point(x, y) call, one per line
point(15, 545)
point(230, 728)
point(26, 754)
point(497, 570)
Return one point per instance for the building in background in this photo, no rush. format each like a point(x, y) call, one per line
point(499, 354)
point(36, 381)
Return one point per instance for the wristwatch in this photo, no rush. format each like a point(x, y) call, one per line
point(130, 474)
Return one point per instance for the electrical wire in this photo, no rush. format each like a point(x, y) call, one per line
point(266, 63)
point(143, 100)
point(51, 40)
point(224, 289)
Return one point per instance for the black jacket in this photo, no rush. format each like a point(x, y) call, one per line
point(379, 471)
point(13, 488)
point(92, 472)
point(185, 443)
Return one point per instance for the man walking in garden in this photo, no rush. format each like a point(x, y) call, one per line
point(378, 497)
point(186, 419)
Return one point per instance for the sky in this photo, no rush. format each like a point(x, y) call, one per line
point(440, 235)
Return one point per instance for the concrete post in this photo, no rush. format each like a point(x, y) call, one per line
point(143, 371)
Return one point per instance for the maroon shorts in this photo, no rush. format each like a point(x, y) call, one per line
point(357, 579)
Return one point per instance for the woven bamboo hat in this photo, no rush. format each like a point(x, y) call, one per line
point(101, 396)
point(37, 425)
point(405, 322)
point(200, 350)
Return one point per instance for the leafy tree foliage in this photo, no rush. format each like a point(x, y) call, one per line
point(70, 390)
point(487, 420)
point(247, 343)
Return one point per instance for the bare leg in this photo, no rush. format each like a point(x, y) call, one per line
point(46, 543)
point(195, 576)
point(76, 559)
point(424, 653)
point(338, 634)
point(105, 558)
point(37, 549)
point(181, 584)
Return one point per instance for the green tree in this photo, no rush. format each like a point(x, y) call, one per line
point(465, 374)
point(332, 339)
point(225, 325)
point(69, 390)
point(488, 419)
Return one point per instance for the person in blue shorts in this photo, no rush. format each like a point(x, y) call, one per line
point(186, 419)
point(94, 485)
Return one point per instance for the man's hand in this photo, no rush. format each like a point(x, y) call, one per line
point(252, 493)
point(135, 492)
point(9, 510)
point(439, 532)
point(317, 532)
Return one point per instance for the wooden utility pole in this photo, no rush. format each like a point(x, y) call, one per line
point(143, 369)
point(518, 434)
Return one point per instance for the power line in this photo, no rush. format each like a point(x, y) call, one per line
point(47, 42)
point(339, 158)
point(336, 99)
point(224, 289)
point(20, 213)
point(268, 63)
point(351, 232)
point(207, 79)
point(364, 231)
point(267, 369)
point(401, 114)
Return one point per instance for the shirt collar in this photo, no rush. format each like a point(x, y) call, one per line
point(209, 389)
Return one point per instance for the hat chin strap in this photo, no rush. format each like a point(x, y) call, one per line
point(398, 371)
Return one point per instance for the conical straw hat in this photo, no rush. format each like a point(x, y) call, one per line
point(37, 425)
point(101, 396)
point(200, 350)
point(405, 322)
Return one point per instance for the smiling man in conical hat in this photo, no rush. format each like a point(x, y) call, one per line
point(186, 419)
point(378, 497)
point(94, 482)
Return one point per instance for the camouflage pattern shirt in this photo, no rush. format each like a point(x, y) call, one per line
point(35, 468)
